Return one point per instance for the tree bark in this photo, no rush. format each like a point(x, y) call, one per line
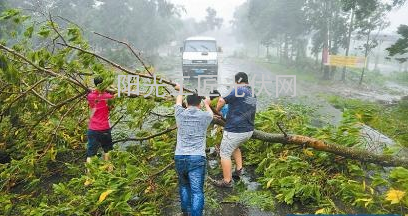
point(347, 152)
point(286, 48)
point(350, 30)
point(326, 46)
point(367, 49)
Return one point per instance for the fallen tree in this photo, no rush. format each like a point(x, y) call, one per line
point(319, 145)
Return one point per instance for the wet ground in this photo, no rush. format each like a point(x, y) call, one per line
point(307, 93)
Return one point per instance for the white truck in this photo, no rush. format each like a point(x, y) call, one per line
point(200, 56)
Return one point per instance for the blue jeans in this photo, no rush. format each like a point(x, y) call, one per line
point(191, 172)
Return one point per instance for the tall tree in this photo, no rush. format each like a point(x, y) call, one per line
point(329, 29)
point(146, 24)
point(211, 20)
point(361, 10)
point(376, 21)
point(281, 23)
point(400, 47)
point(243, 30)
point(2, 8)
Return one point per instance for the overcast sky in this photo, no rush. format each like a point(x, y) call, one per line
point(225, 9)
point(196, 8)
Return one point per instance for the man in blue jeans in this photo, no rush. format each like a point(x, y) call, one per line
point(192, 124)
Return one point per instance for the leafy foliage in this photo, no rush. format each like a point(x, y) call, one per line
point(401, 46)
point(43, 119)
point(145, 24)
point(317, 182)
point(390, 120)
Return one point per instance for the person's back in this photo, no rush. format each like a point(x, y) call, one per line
point(99, 131)
point(241, 110)
point(192, 124)
point(100, 110)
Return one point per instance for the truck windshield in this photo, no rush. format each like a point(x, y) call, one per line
point(200, 46)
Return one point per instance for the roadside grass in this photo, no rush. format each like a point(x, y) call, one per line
point(307, 74)
point(399, 77)
point(371, 77)
point(389, 120)
point(308, 71)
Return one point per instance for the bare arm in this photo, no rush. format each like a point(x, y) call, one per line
point(179, 98)
point(220, 104)
point(207, 103)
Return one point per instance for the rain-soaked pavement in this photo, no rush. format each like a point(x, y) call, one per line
point(306, 93)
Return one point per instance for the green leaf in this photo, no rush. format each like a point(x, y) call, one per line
point(289, 196)
point(44, 32)
point(9, 14)
point(400, 174)
point(29, 32)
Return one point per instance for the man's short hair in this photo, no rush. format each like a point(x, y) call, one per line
point(193, 100)
point(241, 77)
point(98, 80)
point(215, 92)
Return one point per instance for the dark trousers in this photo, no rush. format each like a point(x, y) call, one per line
point(97, 139)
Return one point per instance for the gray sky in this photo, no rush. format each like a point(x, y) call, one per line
point(225, 9)
point(196, 8)
point(398, 17)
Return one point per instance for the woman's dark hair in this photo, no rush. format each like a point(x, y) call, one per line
point(215, 92)
point(241, 77)
point(98, 80)
point(193, 100)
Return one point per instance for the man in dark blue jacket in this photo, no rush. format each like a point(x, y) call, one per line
point(238, 129)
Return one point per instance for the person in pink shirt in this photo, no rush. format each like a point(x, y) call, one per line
point(99, 130)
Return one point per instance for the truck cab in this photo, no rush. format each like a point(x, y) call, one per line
point(200, 56)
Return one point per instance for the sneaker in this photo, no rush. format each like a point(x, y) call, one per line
point(224, 184)
point(238, 173)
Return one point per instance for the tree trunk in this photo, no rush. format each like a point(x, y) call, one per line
point(292, 51)
point(326, 46)
point(286, 49)
point(347, 152)
point(367, 49)
point(257, 49)
point(326, 68)
point(319, 145)
point(377, 55)
point(267, 51)
point(350, 30)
